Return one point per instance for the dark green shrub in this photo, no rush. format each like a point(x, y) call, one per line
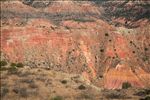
point(100, 76)
point(67, 27)
point(146, 49)
point(57, 98)
point(147, 91)
point(102, 50)
point(63, 81)
point(126, 85)
point(82, 87)
point(143, 92)
point(13, 64)
point(3, 63)
point(146, 98)
point(106, 34)
point(19, 65)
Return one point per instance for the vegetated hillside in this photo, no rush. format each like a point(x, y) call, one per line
point(36, 83)
point(77, 37)
point(130, 13)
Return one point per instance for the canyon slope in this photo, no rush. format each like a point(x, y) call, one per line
point(107, 42)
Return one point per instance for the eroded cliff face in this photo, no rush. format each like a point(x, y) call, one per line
point(71, 37)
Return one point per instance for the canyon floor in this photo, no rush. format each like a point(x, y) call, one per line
point(43, 84)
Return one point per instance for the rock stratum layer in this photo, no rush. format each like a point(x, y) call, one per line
point(76, 37)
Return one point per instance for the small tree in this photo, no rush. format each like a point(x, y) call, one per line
point(126, 85)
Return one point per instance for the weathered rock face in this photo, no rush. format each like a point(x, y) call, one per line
point(75, 43)
point(122, 73)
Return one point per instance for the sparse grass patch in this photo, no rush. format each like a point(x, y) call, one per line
point(57, 98)
point(4, 91)
point(13, 70)
point(23, 74)
point(85, 96)
point(39, 78)
point(83, 20)
point(27, 80)
point(3, 68)
point(21, 91)
point(115, 95)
